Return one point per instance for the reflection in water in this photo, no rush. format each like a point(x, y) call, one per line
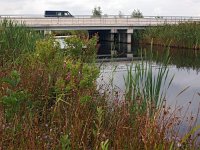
point(105, 48)
point(184, 64)
point(182, 58)
point(187, 79)
point(183, 79)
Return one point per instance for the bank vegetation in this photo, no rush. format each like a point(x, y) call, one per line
point(182, 35)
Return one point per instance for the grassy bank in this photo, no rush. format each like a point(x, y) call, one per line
point(183, 35)
point(49, 100)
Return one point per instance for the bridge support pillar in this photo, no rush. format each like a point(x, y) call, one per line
point(113, 34)
point(113, 41)
point(129, 33)
point(129, 54)
point(129, 41)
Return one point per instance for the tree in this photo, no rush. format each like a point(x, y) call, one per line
point(96, 12)
point(136, 14)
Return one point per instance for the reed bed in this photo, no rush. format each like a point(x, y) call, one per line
point(182, 35)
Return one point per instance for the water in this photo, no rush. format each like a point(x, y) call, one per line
point(121, 49)
point(184, 66)
point(187, 79)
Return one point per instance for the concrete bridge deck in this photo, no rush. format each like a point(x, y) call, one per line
point(91, 23)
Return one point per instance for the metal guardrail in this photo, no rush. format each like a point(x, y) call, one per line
point(103, 16)
point(87, 20)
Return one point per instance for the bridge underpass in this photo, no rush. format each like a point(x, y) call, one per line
point(116, 37)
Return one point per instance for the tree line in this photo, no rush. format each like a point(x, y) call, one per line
point(97, 12)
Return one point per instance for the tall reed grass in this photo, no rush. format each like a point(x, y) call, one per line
point(16, 40)
point(183, 35)
point(145, 83)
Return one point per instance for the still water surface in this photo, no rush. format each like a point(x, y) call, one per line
point(184, 66)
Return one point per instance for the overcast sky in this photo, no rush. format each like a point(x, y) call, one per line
point(110, 7)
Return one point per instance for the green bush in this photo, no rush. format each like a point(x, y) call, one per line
point(83, 49)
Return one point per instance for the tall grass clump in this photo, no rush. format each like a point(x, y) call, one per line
point(143, 83)
point(183, 35)
point(16, 40)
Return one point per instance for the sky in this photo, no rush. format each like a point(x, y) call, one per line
point(109, 7)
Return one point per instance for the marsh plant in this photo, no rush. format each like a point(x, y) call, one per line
point(182, 35)
point(145, 83)
point(16, 40)
point(49, 100)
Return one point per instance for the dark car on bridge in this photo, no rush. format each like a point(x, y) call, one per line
point(53, 13)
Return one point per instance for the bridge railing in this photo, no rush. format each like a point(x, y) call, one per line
point(103, 16)
point(87, 20)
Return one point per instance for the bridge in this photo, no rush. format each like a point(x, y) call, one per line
point(96, 23)
point(110, 28)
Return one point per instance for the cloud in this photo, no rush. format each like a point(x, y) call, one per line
point(110, 7)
